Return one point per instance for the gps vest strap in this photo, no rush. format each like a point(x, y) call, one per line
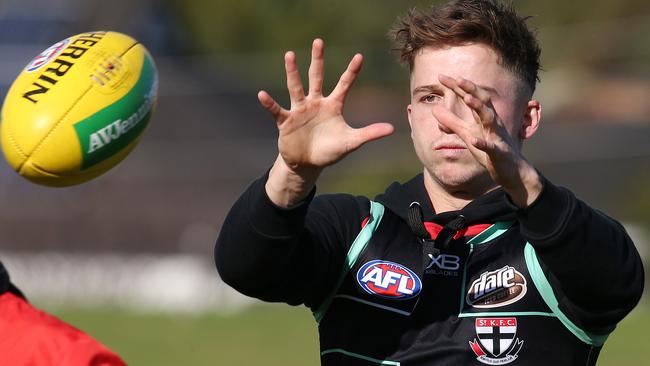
point(545, 289)
point(357, 247)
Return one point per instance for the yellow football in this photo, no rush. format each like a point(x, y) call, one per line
point(78, 108)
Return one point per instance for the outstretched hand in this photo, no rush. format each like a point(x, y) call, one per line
point(490, 142)
point(313, 133)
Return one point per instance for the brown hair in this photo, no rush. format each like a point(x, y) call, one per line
point(461, 22)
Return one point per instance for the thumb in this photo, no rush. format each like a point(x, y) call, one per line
point(369, 133)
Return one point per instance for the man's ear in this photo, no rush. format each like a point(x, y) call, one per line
point(409, 108)
point(532, 117)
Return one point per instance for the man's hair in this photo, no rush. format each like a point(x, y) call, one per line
point(461, 22)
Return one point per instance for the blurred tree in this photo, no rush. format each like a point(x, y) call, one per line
point(636, 207)
point(241, 35)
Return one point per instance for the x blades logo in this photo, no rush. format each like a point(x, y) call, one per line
point(447, 265)
point(496, 344)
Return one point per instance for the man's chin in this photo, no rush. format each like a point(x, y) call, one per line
point(461, 178)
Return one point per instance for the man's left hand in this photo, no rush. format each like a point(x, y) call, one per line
point(489, 142)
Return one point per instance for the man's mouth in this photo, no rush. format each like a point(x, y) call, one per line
point(450, 147)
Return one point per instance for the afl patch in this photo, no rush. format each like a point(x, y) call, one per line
point(389, 280)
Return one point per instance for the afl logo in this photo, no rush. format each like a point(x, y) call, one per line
point(496, 288)
point(47, 55)
point(389, 280)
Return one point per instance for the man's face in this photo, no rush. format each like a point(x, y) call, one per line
point(444, 155)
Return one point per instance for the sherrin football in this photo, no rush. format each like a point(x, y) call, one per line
point(78, 108)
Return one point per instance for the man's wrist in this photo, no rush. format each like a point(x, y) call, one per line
point(529, 188)
point(287, 188)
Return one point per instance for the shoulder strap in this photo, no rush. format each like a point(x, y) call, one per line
point(545, 289)
point(357, 247)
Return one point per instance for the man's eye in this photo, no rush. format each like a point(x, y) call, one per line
point(430, 98)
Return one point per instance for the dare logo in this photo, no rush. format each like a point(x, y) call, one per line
point(389, 280)
point(496, 288)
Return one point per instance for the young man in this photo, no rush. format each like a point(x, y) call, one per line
point(479, 259)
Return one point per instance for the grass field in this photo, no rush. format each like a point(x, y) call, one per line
point(267, 335)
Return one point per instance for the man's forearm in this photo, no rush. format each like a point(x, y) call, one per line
point(254, 234)
point(592, 260)
point(285, 187)
point(529, 185)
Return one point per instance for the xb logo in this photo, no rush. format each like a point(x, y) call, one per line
point(444, 261)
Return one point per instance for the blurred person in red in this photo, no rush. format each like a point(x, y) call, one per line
point(32, 337)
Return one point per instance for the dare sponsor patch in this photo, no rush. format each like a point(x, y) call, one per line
point(496, 288)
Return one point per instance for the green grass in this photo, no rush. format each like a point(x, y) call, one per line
point(260, 335)
point(266, 335)
point(626, 346)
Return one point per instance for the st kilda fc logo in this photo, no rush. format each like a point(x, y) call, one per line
point(496, 342)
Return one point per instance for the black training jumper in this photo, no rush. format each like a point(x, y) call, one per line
point(393, 283)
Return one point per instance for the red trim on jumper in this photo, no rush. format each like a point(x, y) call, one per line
point(365, 221)
point(476, 348)
point(435, 229)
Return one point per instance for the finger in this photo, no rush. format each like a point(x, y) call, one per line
point(278, 113)
point(294, 84)
point(489, 148)
point(452, 84)
point(470, 88)
point(347, 78)
point(316, 73)
point(473, 96)
point(369, 133)
point(451, 122)
point(486, 114)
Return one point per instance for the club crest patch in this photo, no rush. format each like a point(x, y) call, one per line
point(389, 280)
point(496, 342)
point(496, 288)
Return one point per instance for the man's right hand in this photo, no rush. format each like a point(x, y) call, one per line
point(313, 134)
